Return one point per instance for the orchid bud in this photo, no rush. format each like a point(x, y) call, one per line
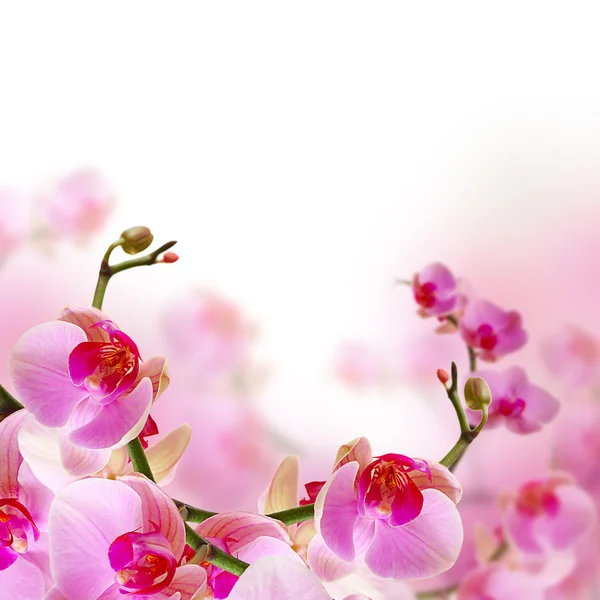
point(477, 393)
point(443, 376)
point(136, 239)
point(169, 257)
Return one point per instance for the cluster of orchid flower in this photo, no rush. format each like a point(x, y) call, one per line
point(73, 206)
point(83, 515)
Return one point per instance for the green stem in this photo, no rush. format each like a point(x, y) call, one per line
point(470, 349)
point(8, 403)
point(191, 514)
point(107, 271)
point(467, 434)
point(214, 555)
point(139, 459)
point(294, 515)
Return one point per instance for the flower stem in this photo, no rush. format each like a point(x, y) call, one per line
point(467, 434)
point(8, 403)
point(294, 515)
point(472, 354)
point(213, 555)
point(191, 514)
point(139, 459)
point(107, 271)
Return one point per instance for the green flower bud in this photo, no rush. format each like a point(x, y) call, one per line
point(477, 393)
point(136, 239)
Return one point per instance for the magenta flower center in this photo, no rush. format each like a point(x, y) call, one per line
point(16, 525)
point(486, 337)
point(511, 407)
point(425, 294)
point(143, 562)
point(105, 369)
point(537, 499)
point(386, 490)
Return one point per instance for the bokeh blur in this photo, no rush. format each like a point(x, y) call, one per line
point(305, 157)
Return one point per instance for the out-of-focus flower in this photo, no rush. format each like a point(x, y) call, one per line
point(573, 355)
point(551, 514)
point(77, 205)
point(138, 553)
point(397, 512)
point(522, 406)
point(492, 330)
point(24, 505)
point(359, 365)
point(499, 583)
point(14, 221)
point(83, 372)
point(434, 290)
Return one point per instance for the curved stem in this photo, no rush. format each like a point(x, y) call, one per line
point(470, 349)
point(294, 515)
point(467, 434)
point(213, 555)
point(192, 514)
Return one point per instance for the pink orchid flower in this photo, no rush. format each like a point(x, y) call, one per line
point(24, 505)
point(496, 582)
point(491, 330)
point(435, 290)
point(246, 536)
point(522, 406)
point(138, 552)
point(77, 205)
point(550, 514)
point(278, 578)
point(84, 373)
point(395, 512)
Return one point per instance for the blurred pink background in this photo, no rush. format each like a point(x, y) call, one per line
point(305, 157)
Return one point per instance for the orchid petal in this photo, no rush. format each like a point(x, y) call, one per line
point(86, 319)
point(11, 457)
point(85, 518)
point(189, 582)
point(22, 581)
point(79, 461)
point(336, 511)
point(278, 578)
point(442, 479)
point(38, 365)
point(324, 564)
point(36, 497)
point(358, 450)
point(158, 510)
point(166, 453)
point(240, 528)
point(156, 370)
point(425, 547)
point(266, 546)
point(282, 494)
point(117, 423)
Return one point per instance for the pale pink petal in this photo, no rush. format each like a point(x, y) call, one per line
point(521, 530)
point(156, 370)
point(304, 533)
point(366, 583)
point(240, 528)
point(117, 423)
point(85, 518)
point(336, 511)
point(55, 594)
point(266, 546)
point(358, 450)
point(22, 581)
point(324, 564)
point(158, 509)
point(86, 318)
point(356, 597)
point(78, 461)
point(189, 581)
point(541, 406)
point(425, 547)
point(278, 578)
point(11, 457)
point(35, 496)
point(38, 365)
point(40, 447)
point(441, 479)
point(576, 517)
point(282, 494)
point(165, 454)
